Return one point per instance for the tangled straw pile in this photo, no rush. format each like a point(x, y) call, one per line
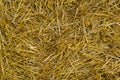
point(60, 39)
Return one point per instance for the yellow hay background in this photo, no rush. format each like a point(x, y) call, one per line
point(59, 39)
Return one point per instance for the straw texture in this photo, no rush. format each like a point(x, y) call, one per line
point(59, 39)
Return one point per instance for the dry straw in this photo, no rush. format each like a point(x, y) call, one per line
point(59, 39)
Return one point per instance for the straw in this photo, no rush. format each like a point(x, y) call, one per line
point(59, 39)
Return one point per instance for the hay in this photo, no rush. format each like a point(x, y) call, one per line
point(60, 39)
